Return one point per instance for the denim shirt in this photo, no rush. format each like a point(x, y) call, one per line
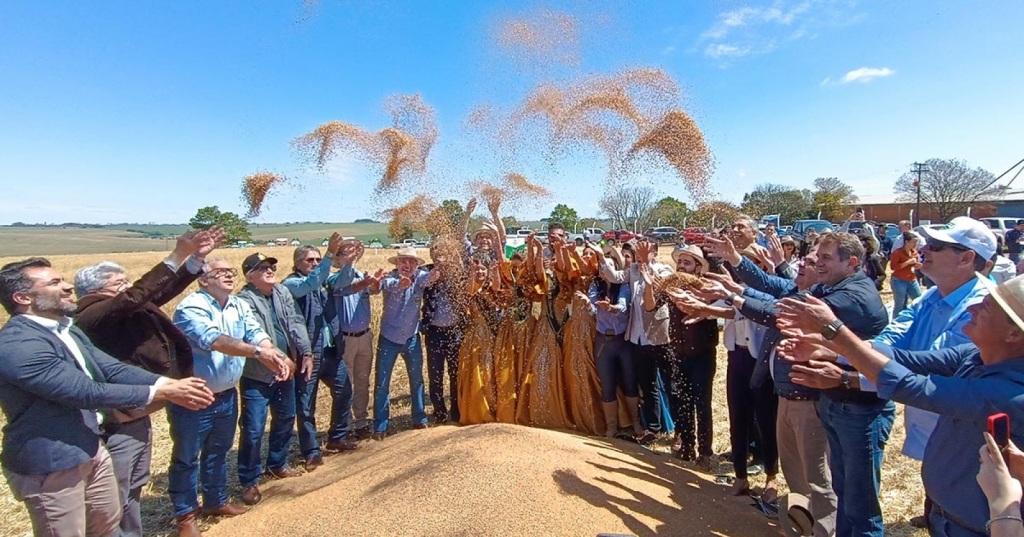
point(313, 300)
point(616, 320)
point(353, 307)
point(400, 318)
point(932, 322)
point(954, 383)
point(200, 317)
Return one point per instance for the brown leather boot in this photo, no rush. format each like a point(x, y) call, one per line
point(188, 525)
point(611, 418)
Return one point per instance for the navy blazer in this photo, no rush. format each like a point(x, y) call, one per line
point(50, 403)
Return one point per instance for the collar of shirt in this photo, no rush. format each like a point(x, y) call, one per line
point(57, 327)
point(961, 292)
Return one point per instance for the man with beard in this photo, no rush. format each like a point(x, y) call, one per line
point(53, 384)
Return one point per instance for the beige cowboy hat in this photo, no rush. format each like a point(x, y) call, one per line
point(406, 252)
point(692, 251)
point(795, 515)
point(486, 227)
point(1009, 295)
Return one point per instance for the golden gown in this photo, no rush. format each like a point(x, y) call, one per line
point(541, 401)
point(506, 371)
point(582, 385)
point(478, 397)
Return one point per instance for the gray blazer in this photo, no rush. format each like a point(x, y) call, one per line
point(293, 323)
point(49, 401)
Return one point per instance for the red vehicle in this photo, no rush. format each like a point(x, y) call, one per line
point(694, 235)
point(620, 235)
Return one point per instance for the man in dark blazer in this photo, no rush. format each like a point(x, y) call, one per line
point(53, 384)
point(125, 321)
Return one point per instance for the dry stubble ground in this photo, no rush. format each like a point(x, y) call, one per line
point(902, 494)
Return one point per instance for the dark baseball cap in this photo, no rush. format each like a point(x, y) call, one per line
point(254, 261)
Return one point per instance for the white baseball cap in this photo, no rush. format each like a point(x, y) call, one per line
point(966, 232)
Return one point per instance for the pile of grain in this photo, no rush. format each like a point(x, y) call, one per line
point(498, 479)
point(255, 188)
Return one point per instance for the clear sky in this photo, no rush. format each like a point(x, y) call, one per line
point(144, 111)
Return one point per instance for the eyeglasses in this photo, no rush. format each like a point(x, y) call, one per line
point(221, 272)
point(938, 246)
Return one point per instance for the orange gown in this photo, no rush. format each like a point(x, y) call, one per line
point(478, 396)
point(541, 401)
point(582, 385)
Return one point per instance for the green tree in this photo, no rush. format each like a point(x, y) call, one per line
point(236, 228)
point(670, 212)
point(713, 214)
point(510, 222)
point(831, 196)
point(445, 218)
point(566, 215)
point(399, 230)
point(770, 198)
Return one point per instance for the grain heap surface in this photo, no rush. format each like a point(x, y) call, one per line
point(497, 479)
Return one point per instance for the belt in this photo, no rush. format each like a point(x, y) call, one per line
point(799, 396)
point(936, 508)
point(610, 334)
point(355, 334)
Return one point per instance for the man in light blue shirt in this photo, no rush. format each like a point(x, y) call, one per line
point(222, 332)
point(351, 328)
point(399, 324)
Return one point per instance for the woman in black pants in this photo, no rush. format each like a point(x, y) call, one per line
point(694, 345)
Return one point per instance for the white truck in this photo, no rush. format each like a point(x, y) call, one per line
point(592, 234)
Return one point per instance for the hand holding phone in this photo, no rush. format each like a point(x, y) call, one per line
point(999, 428)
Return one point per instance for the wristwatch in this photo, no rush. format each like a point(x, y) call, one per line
point(256, 353)
point(732, 297)
point(844, 380)
point(831, 330)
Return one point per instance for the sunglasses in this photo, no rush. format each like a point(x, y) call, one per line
point(938, 246)
point(265, 268)
point(313, 259)
point(221, 272)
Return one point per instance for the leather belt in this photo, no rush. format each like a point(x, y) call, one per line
point(355, 334)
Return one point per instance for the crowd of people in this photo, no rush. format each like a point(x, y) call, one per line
point(603, 340)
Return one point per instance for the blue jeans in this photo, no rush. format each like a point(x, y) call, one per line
point(331, 369)
point(257, 398)
point(387, 354)
point(940, 526)
point(857, 433)
point(903, 293)
point(202, 439)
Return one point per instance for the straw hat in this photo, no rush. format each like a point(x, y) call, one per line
point(691, 251)
point(486, 227)
point(406, 252)
point(795, 515)
point(1009, 295)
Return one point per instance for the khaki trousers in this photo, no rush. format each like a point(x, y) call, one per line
point(77, 502)
point(803, 452)
point(358, 358)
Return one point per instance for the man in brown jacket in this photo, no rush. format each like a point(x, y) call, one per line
point(125, 321)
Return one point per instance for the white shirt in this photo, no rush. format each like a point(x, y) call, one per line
point(62, 329)
point(635, 332)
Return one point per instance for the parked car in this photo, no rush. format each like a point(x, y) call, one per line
point(801, 227)
point(592, 234)
point(694, 235)
point(542, 236)
point(407, 243)
point(662, 234)
point(1000, 225)
point(620, 235)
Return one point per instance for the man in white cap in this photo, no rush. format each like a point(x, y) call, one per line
point(399, 325)
point(952, 259)
point(964, 384)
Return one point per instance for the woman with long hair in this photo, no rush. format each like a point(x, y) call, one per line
point(904, 282)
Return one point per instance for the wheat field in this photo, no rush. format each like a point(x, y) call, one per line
point(902, 493)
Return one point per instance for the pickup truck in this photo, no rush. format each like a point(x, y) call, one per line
point(592, 234)
point(407, 243)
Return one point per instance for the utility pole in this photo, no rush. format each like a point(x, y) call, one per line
point(919, 168)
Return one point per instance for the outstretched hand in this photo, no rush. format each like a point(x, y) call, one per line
point(722, 248)
point(808, 316)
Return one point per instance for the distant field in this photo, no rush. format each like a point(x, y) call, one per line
point(26, 241)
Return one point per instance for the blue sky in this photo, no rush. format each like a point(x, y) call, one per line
point(145, 111)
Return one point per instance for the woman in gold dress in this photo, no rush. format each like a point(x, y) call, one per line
point(582, 384)
point(478, 394)
point(541, 401)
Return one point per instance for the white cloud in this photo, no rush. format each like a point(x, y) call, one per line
point(724, 50)
point(757, 29)
point(867, 74)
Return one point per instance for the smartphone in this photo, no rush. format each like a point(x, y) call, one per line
point(999, 428)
